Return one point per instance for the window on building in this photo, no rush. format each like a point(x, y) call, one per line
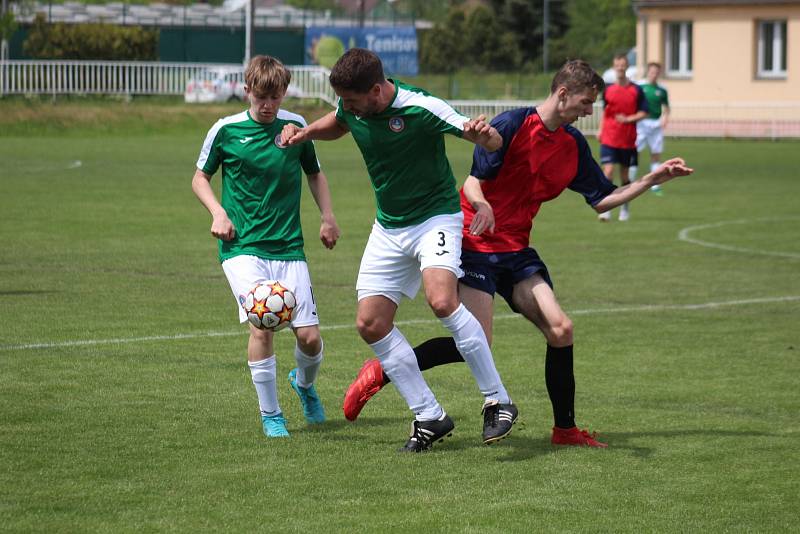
point(772, 49)
point(678, 49)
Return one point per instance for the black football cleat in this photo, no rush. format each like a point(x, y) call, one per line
point(498, 419)
point(425, 433)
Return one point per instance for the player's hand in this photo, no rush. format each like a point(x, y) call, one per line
point(478, 126)
point(481, 133)
point(292, 134)
point(621, 118)
point(329, 232)
point(672, 168)
point(483, 219)
point(222, 227)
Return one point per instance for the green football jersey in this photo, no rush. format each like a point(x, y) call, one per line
point(261, 184)
point(403, 147)
point(656, 97)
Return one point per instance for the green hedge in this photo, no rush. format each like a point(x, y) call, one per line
point(90, 41)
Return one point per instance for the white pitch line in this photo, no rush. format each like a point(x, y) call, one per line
point(683, 235)
point(594, 311)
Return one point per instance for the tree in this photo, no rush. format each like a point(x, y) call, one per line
point(490, 47)
point(443, 49)
point(89, 41)
point(598, 29)
point(8, 25)
point(525, 19)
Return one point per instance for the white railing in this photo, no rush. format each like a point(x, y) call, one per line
point(127, 78)
point(130, 78)
point(771, 120)
point(472, 108)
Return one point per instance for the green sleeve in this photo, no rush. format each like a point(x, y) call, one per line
point(308, 158)
point(212, 152)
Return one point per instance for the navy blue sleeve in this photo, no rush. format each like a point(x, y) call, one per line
point(590, 180)
point(641, 100)
point(486, 165)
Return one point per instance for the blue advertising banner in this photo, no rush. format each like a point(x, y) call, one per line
point(396, 45)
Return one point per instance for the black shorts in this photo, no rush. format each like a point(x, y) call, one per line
point(500, 272)
point(627, 157)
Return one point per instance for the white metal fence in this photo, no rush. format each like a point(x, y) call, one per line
point(765, 120)
point(770, 120)
point(490, 108)
point(132, 78)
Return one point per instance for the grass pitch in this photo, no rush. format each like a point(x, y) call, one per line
point(127, 405)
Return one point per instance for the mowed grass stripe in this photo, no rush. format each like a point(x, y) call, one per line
point(408, 322)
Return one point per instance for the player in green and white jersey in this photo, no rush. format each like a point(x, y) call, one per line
point(258, 227)
point(416, 237)
point(650, 130)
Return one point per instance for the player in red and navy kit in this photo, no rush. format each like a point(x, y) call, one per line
point(541, 156)
point(625, 105)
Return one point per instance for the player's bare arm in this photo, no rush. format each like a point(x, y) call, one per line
point(484, 215)
point(672, 168)
point(478, 131)
point(664, 115)
point(326, 128)
point(221, 225)
point(627, 119)
point(329, 230)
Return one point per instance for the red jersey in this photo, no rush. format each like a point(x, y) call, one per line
point(627, 99)
point(533, 166)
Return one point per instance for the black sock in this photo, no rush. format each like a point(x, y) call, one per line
point(433, 353)
point(560, 381)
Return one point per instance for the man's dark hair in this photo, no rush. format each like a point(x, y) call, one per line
point(577, 76)
point(357, 70)
point(654, 64)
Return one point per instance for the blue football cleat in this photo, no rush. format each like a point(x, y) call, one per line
point(274, 426)
point(312, 405)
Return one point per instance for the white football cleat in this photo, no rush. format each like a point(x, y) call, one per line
point(624, 214)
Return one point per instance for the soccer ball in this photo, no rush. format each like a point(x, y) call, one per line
point(269, 305)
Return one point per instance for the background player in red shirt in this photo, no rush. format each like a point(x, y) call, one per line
point(541, 156)
point(624, 105)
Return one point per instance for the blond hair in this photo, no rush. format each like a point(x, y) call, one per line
point(266, 75)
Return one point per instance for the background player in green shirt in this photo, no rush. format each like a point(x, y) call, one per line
point(416, 237)
point(650, 130)
point(258, 227)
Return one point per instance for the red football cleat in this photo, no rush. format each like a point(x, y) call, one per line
point(368, 382)
point(575, 436)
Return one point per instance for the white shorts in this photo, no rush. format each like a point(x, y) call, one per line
point(394, 259)
point(244, 272)
point(650, 135)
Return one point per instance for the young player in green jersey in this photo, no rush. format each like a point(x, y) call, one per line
point(258, 227)
point(416, 237)
point(650, 130)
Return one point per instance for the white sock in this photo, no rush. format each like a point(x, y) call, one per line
point(471, 343)
point(654, 166)
point(263, 373)
point(307, 366)
point(399, 363)
point(632, 170)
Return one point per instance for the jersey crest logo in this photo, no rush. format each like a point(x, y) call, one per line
point(396, 124)
point(278, 142)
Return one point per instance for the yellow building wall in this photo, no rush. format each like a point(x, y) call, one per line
point(725, 41)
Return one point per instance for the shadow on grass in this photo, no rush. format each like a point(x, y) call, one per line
point(347, 428)
point(524, 447)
